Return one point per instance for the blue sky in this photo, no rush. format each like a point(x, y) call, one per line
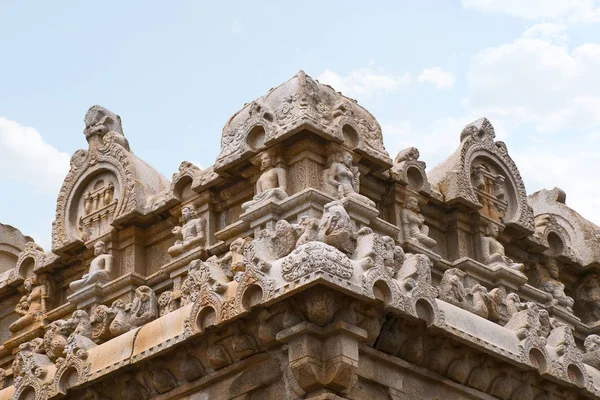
point(175, 72)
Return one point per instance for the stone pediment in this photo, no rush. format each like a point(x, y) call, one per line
point(105, 183)
point(480, 174)
point(301, 103)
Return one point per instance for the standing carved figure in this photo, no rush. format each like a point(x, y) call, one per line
point(191, 234)
point(342, 179)
point(413, 224)
point(101, 269)
point(587, 298)
point(493, 250)
point(272, 183)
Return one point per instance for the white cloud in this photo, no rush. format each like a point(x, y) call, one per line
point(440, 78)
point(364, 81)
point(536, 79)
point(573, 11)
point(26, 157)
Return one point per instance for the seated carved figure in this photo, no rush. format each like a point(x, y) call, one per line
point(342, 179)
point(493, 250)
point(101, 269)
point(413, 224)
point(547, 279)
point(191, 234)
point(272, 183)
point(30, 305)
point(587, 298)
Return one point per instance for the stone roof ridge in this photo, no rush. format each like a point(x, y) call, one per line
point(300, 104)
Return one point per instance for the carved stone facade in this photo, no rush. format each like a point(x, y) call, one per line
point(304, 264)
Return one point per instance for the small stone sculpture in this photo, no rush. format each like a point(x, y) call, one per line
point(31, 306)
point(336, 228)
point(413, 224)
point(191, 234)
point(493, 250)
point(144, 307)
point(342, 179)
point(101, 269)
point(272, 183)
point(592, 351)
point(587, 298)
point(121, 317)
point(548, 281)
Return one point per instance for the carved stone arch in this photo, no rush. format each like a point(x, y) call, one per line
point(252, 279)
point(556, 233)
point(410, 171)
point(455, 180)
point(70, 373)
point(184, 178)
point(207, 311)
point(71, 195)
point(349, 130)
point(31, 258)
point(30, 388)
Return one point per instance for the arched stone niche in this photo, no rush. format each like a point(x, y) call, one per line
point(558, 235)
point(409, 170)
point(94, 205)
point(30, 259)
point(480, 174)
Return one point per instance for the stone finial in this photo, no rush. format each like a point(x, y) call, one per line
point(99, 121)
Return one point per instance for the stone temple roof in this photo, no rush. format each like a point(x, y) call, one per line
point(298, 104)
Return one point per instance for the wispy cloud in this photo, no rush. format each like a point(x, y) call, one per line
point(364, 81)
point(440, 78)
